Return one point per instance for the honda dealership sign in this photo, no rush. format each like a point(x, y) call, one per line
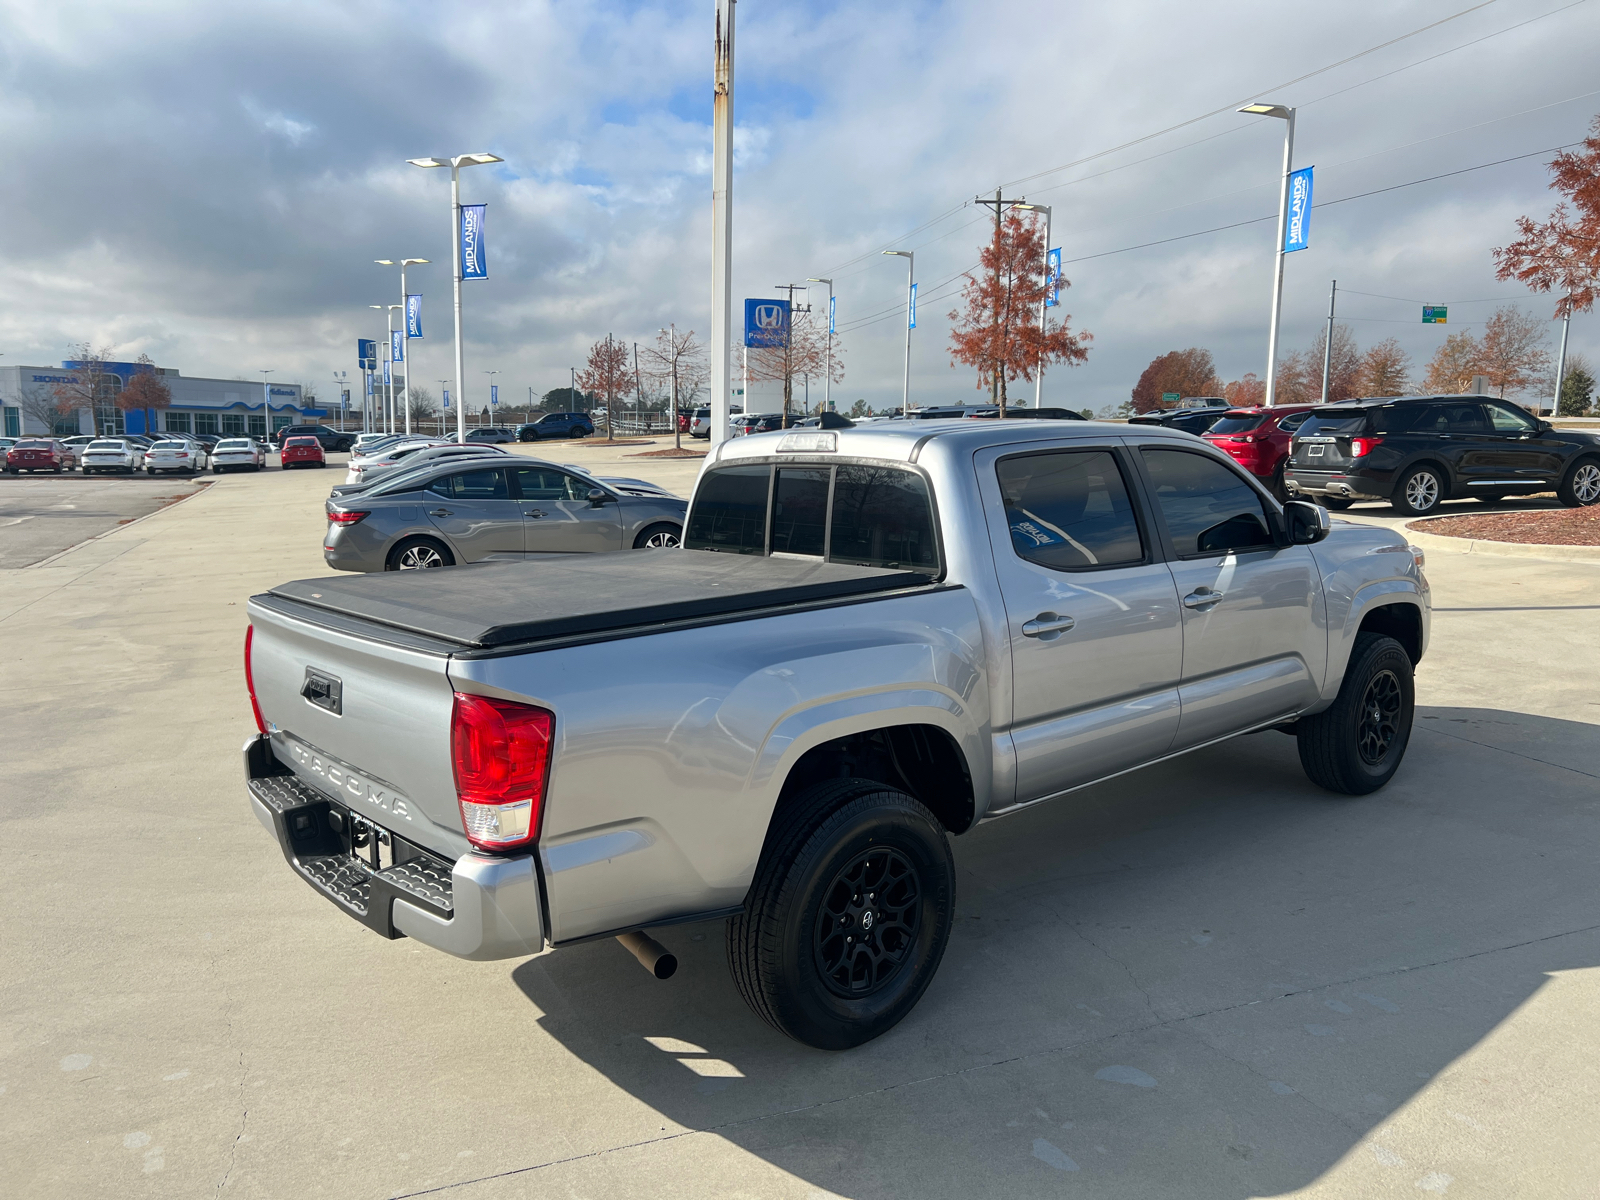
point(766, 322)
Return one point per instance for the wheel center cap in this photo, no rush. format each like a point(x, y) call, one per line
point(866, 920)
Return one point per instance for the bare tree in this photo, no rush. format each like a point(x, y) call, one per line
point(679, 361)
point(421, 404)
point(1299, 379)
point(44, 408)
point(90, 385)
point(608, 373)
point(1385, 370)
point(1344, 368)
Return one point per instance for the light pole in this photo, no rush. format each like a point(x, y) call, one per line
point(491, 375)
point(444, 393)
point(404, 263)
point(911, 320)
point(1285, 114)
point(340, 382)
point(721, 221)
point(266, 403)
point(455, 164)
point(1044, 301)
point(672, 359)
point(1327, 348)
point(827, 380)
point(1561, 362)
point(388, 349)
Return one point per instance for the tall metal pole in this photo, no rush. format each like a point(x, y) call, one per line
point(405, 345)
point(1044, 307)
point(1561, 362)
point(722, 221)
point(1327, 349)
point(1277, 272)
point(455, 258)
point(394, 415)
point(677, 426)
point(266, 404)
point(827, 379)
point(638, 390)
point(911, 309)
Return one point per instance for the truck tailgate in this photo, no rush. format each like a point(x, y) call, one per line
point(366, 721)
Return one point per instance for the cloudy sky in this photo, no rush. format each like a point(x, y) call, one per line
point(209, 183)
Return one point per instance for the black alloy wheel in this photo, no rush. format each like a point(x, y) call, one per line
point(1420, 491)
point(1356, 744)
point(847, 916)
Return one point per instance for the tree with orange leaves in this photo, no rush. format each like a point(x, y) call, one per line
point(999, 332)
point(608, 374)
point(1563, 253)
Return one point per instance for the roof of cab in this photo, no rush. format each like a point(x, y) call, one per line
point(901, 441)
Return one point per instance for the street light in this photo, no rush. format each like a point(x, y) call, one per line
point(1044, 301)
point(491, 375)
point(1283, 113)
point(388, 311)
point(911, 319)
point(404, 299)
point(827, 380)
point(455, 164)
point(341, 380)
point(266, 403)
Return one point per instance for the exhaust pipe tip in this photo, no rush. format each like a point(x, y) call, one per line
point(652, 955)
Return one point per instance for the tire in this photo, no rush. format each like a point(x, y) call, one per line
point(661, 536)
point(419, 554)
point(786, 952)
point(1580, 486)
point(1486, 498)
point(1355, 746)
point(1420, 491)
point(1275, 484)
point(575, 432)
point(1336, 503)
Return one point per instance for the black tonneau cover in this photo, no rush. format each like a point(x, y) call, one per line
point(492, 604)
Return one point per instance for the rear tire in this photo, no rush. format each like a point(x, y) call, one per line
point(419, 554)
point(1580, 486)
point(1356, 745)
point(1420, 491)
point(662, 536)
point(848, 914)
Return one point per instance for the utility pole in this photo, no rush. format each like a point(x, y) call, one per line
point(721, 221)
point(997, 380)
point(1327, 349)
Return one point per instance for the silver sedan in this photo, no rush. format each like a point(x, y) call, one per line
point(364, 472)
point(468, 512)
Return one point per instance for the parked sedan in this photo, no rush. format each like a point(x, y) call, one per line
point(469, 512)
point(491, 435)
point(369, 468)
point(302, 452)
point(112, 456)
point(41, 454)
point(176, 455)
point(238, 454)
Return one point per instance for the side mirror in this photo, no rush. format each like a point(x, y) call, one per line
point(1545, 426)
point(1307, 523)
point(597, 497)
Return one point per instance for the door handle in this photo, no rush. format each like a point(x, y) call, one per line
point(1047, 626)
point(1202, 597)
point(438, 512)
point(533, 512)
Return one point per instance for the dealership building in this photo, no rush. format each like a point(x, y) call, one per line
point(220, 406)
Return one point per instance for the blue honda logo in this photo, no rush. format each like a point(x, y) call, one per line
point(766, 322)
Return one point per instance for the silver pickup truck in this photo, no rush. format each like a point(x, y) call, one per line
point(871, 640)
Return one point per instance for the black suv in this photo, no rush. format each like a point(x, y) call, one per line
point(1418, 451)
point(1193, 414)
point(493, 435)
point(557, 425)
point(327, 438)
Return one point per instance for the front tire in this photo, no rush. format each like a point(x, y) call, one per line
point(1420, 491)
point(1355, 746)
point(419, 554)
point(848, 914)
point(662, 536)
point(1580, 487)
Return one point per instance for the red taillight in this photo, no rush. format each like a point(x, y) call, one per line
point(345, 518)
point(500, 752)
point(250, 678)
point(1362, 446)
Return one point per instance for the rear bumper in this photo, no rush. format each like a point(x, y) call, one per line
point(1350, 485)
point(480, 907)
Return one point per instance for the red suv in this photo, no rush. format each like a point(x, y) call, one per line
point(1258, 439)
point(302, 452)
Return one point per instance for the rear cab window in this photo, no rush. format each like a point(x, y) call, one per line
point(862, 514)
point(1334, 422)
point(1243, 423)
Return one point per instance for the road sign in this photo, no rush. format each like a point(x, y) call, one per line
point(1171, 397)
point(766, 322)
point(1434, 314)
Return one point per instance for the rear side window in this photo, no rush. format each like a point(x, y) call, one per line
point(730, 511)
point(882, 517)
point(1460, 416)
point(473, 485)
point(1208, 509)
point(1290, 423)
point(1331, 422)
point(1069, 510)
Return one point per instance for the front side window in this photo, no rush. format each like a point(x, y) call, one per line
point(1208, 508)
point(1069, 510)
point(541, 483)
point(730, 511)
point(882, 517)
point(473, 485)
point(1509, 420)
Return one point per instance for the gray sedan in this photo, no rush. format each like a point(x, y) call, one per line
point(468, 512)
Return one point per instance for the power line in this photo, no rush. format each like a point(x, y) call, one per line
point(1409, 300)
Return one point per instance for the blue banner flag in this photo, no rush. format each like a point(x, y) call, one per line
point(397, 345)
point(833, 326)
point(1053, 259)
point(369, 383)
point(473, 263)
point(766, 322)
point(414, 316)
point(913, 316)
point(447, 397)
point(387, 382)
point(494, 393)
point(1297, 231)
point(344, 398)
point(367, 352)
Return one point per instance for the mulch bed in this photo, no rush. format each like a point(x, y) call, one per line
point(670, 452)
point(1544, 527)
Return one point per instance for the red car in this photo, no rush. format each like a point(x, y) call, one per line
point(302, 452)
point(1258, 439)
point(41, 454)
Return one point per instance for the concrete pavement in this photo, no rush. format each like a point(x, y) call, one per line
point(1206, 979)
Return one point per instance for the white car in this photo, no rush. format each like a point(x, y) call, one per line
point(237, 454)
point(370, 466)
point(176, 455)
point(105, 455)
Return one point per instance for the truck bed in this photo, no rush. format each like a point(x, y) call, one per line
point(493, 606)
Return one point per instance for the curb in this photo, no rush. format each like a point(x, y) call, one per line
point(1459, 545)
point(60, 554)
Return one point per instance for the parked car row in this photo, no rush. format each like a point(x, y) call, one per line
point(126, 454)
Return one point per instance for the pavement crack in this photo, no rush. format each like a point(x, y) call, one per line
point(1126, 969)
